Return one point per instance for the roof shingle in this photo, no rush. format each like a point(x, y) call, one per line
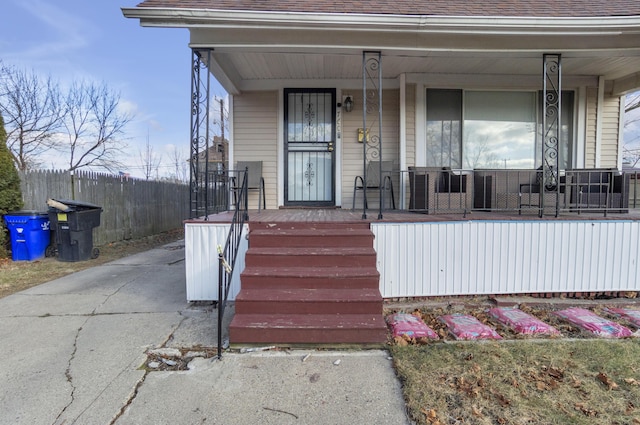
point(462, 8)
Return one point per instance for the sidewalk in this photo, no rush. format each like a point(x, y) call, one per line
point(74, 351)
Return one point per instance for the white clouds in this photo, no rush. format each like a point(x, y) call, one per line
point(128, 107)
point(65, 32)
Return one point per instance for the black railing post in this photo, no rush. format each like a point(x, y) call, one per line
point(227, 256)
point(220, 301)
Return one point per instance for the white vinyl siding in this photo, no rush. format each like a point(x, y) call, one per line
point(609, 134)
point(590, 136)
point(610, 127)
point(255, 138)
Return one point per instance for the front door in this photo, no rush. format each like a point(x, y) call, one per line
point(310, 134)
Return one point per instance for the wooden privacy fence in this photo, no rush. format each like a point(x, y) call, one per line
point(132, 208)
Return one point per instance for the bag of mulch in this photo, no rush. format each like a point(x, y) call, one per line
point(467, 327)
point(521, 322)
point(591, 322)
point(630, 315)
point(409, 325)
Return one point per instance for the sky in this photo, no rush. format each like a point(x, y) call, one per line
point(91, 40)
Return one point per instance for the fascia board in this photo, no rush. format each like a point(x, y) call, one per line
point(193, 18)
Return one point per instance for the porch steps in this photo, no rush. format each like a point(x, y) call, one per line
point(309, 283)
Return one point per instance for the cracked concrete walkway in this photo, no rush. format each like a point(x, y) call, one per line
point(73, 350)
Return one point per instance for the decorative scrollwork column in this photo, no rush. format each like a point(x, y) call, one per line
point(372, 108)
point(199, 179)
point(551, 128)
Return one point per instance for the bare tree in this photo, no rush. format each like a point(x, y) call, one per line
point(632, 101)
point(94, 126)
point(33, 114)
point(179, 164)
point(150, 161)
point(631, 145)
point(479, 154)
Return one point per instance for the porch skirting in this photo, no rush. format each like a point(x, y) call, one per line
point(507, 257)
point(476, 257)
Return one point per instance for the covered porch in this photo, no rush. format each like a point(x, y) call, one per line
point(482, 253)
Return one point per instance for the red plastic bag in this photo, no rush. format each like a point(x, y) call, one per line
point(464, 326)
point(591, 322)
point(409, 325)
point(521, 322)
point(630, 315)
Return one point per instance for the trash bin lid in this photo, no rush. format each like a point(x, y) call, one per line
point(78, 205)
point(30, 213)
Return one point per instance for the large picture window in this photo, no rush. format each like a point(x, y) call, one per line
point(490, 129)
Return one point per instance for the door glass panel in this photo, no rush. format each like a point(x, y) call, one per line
point(309, 176)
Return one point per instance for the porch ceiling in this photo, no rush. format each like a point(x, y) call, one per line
point(252, 48)
point(252, 70)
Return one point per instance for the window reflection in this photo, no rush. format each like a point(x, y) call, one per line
point(490, 129)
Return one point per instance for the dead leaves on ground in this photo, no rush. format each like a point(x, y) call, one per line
point(404, 340)
point(431, 416)
point(608, 382)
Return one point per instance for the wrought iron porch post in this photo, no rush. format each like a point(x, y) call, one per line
point(199, 185)
point(372, 143)
point(551, 128)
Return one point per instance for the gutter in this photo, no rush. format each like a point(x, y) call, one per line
point(214, 18)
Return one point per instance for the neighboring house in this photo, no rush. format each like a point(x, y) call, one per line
point(215, 156)
point(465, 85)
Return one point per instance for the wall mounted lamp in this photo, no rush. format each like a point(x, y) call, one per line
point(347, 103)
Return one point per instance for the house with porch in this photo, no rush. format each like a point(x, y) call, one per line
point(480, 144)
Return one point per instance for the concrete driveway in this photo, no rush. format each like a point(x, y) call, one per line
point(75, 351)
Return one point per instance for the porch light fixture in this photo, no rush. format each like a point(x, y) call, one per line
point(348, 103)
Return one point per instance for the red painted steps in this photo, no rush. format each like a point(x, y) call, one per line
point(315, 277)
point(308, 301)
point(327, 257)
point(308, 329)
point(309, 283)
point(312, 237)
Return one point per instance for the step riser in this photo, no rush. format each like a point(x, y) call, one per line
point(308, 307)
point(309, 225)
point(274, 241)
point(278, 282)
point(306, 336)
point(325, 260)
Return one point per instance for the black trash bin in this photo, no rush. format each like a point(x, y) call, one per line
point(72, 223)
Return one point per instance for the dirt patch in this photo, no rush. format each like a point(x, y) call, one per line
point(16, 276)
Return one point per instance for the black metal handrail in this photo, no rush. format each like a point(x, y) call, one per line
point(227, 255)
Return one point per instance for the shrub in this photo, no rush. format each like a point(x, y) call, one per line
point(10, 195)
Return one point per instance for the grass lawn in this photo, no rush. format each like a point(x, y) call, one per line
point(550, 381)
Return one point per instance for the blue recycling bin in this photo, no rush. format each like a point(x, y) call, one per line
point(30, 234)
